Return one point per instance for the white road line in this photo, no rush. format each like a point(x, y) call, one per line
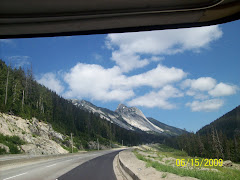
point(15, 176)
point(51, 165)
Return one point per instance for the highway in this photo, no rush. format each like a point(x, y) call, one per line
point(53, 169)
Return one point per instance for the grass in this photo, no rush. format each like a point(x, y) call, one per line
point(224, 173)
point(69, 149)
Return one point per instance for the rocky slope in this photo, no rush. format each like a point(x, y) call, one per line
point(130, 118)
point(40, 137)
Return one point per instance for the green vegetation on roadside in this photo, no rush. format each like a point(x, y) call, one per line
point(69, 149)
point(12, 142)
point(196, 172)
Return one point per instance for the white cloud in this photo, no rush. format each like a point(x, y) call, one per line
point(197, 95)
point(207, 105)
point(94, 81)
point(223, 89)
point(157, 77)
point(165, 41)
point(128, 46)
point(202, 87)
point(200, 84)
point(128, 61)
point(157, 58)
point(157, 99)
point(50, 80)
point(18, 61)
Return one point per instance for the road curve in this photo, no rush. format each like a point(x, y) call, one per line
point(96, 169)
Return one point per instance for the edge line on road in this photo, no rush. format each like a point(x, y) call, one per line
point(15, 176)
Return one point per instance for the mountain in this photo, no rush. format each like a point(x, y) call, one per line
point(136, 118)
point(168, 129)
point(228, 124)
point(130, 118)
point(103, 113)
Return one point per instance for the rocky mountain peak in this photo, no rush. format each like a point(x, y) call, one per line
point(81, 103)
point(123, 109)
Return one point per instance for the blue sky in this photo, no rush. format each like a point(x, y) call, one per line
point(185, 77)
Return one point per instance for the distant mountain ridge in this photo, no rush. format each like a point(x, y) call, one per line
point(168, 129)
point(130, 118)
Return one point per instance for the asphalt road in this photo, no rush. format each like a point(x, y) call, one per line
point(100, 168)
point(53, 168)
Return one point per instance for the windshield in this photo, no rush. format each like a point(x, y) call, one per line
point(128, 89)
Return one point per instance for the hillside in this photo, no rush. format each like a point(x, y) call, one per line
point(37, 137)
point(22, 96)
point(219, 139)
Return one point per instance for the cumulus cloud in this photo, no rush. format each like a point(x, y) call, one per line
point(202, 89)
point(201, 84)
point(157, 99)
point(165, 41)
point(50, 80)
point(128, 46)
point(96, 82)
point(223, 89)
point(128, 61)
point(207, 105)
point(157, 77)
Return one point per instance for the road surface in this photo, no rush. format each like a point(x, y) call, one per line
point(100, 168)
point(56, 168)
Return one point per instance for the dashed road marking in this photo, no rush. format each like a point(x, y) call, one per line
point(51, 165)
